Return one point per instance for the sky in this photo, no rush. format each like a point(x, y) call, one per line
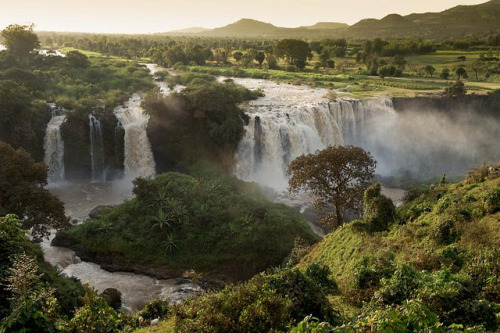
point(147, 16)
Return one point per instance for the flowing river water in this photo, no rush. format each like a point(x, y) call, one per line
point(287, 122)
point(81, 198)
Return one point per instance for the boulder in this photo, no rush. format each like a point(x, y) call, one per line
point(99, 212)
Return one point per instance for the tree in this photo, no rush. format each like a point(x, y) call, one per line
point(20, 39)
point(77, 59)
point(271, 61)
point(22, 192)
point(430, 70)
point(335, 176)
point(445, 74)
point(293, 50)
point(457, 89)
point(324, 56)
point(400, 62)
point(461, 72)
point(238, 56)
point(260, 57)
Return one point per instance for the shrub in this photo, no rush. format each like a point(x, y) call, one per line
point(492, 200)
point(400, 286)
point(444, 232)
point(378, 210)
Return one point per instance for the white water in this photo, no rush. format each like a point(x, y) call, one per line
point(79, 199)
point(294, 120)
point(54, 146)
point(96, 150)
point(139, 161)
point(136, 289)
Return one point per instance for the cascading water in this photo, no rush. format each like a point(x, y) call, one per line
point(139, 161)
point(97, 150)
point(54, 146)
point(277, 134)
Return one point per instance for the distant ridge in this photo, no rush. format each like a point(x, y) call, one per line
point(458, 22)
point(194, 30)
point(327, 26)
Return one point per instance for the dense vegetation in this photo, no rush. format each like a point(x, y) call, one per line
point(81, 85)
point(216, 225)
point(203, 122)
point(432, 266)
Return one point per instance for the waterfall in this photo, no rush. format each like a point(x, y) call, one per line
point(277, 134)
point(96, 150)
point(54, 145)
point(139, 161)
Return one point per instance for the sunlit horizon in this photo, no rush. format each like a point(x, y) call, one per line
point(154, 16)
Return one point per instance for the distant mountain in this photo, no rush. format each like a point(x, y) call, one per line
point(194, 30)
point(458, 22)
point(327, 26)
point(244, 27)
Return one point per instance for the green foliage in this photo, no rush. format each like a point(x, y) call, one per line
point(399, 287)
point(202, 122)
point(33, 306)
point(457, 89)
point(268, 302)
point(20, 39)
point(378, 210)
point(492, 200)
point(22, 192)
point(77, 59)
point(336, 176)
point(94, 316)
point(295, 51)
point(216, 223)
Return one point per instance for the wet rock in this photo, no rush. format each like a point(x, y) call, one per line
point(113, 297)
point(99, 212)
point(62, 240)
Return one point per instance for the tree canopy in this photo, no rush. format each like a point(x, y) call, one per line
point(335, 176)
point(294, 51)
point(22, 192)
point(20, 39)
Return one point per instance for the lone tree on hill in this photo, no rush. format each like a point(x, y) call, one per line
point(335, 176)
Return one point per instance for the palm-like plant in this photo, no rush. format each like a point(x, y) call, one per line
point(169, 243)
point(162, 220)
point(161, 200)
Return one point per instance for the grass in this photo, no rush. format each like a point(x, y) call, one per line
point(419, 241)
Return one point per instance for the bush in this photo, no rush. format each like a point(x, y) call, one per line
point(445, 233)
point(378, 210)
point(492, 200)
point(401, 286)
point(268, 302)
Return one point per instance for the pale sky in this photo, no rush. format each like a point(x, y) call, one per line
point(145, 16)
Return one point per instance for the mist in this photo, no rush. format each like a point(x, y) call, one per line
point(425, 144)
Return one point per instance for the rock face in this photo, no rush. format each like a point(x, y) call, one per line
point(113, 297)
point(99, 212)
point(77, 157)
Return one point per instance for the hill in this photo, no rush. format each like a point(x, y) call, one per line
point(458, 22)
point(244, 27)
point(188, 31)
point(327, 26)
